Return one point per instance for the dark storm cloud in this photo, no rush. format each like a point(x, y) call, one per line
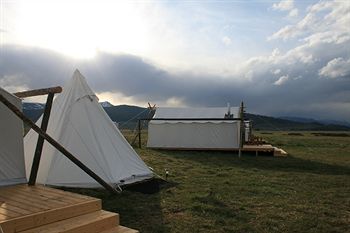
point(303, 93)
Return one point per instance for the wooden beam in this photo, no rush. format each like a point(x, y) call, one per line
point(37, 92)
point(54, 143)
point(40, 142)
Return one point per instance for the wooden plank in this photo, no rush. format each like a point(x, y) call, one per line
point(36, 92)
point(64, 197)
point(9, 206)
point(28, 208)
point(20, 200)
point(65, 193)
point(54, 215)
point(3, 218)
point(9, 213)
point(88, 223)
point(40, 200)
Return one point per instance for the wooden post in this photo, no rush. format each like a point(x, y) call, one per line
point(139, 127)
point(241, 131)
point(40, 143)
point(54, 143)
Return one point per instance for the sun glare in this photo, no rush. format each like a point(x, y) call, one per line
point(80, 28)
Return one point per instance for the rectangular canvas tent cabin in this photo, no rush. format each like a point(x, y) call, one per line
point(12, 169)
point(195, 128)
point(81, 125)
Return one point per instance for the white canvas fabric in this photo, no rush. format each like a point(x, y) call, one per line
point(81, 125)
point(12, 170)
point(166, 112)
point(194, 134)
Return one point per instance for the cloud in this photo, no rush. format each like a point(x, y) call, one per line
point(283, 5)
point(122, 78)
point(321, 18)
point(293, 13)
point(281, 80)
point(277, 71)
point(226, 40)
point(338, 67)
point(286, 5)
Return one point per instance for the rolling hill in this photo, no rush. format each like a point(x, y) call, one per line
point(127, 117)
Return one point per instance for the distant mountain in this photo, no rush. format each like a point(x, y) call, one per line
point(272, 123)
point(310, 120)
point(106, 104)
point(127, 117)
point(298, 119)
point(31, 106)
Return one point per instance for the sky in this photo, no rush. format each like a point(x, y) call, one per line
point(282, 58)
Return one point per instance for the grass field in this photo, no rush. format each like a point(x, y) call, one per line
point(308, 191)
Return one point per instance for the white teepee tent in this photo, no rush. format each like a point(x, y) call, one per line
point(80, 124)
point(11, 143)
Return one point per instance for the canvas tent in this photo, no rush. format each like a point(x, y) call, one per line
point(197, 133)
point(12, 169)
point(81, 125)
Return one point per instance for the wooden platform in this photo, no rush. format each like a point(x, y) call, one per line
point(265, 148)
point(40, 209)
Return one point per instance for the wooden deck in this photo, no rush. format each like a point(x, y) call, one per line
point(265, 148)
point(36, 209)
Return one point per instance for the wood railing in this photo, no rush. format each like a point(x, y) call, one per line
point(44, 136)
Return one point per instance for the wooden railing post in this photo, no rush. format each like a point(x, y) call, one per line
point(241, 131)
point(55, 144)
point(40, 143)
point(139, 128)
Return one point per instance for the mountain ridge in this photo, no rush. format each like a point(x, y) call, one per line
point(127, 116)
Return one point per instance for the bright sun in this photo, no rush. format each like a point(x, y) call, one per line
point(80, 28)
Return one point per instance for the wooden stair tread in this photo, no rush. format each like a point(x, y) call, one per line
point(120, 229)
point(49, 216)
point(88, 223)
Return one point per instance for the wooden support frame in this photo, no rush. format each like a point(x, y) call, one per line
point(40, 142)
point(54, 143)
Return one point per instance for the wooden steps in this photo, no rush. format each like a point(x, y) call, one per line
point(88, 223)
point(120, 229)
point(39, 209)
point(279, 152)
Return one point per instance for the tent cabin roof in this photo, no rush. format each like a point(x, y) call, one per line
point(194, 113)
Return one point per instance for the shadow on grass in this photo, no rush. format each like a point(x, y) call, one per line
point(284, 164)
point(136, 210)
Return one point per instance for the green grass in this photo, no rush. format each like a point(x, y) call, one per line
point(308, 191)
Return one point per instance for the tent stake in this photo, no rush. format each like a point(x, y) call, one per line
point(54, 143)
